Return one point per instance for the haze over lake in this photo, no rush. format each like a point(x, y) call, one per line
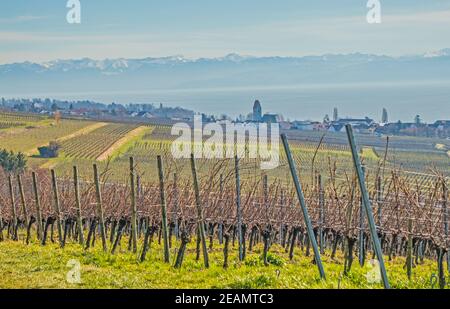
point(431, 100)
point(297, 87)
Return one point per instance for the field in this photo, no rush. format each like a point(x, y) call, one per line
point(95, 143)
point(35, 132)
point(84, 141)
point(47, 267)
point(137, 219)
point(12, 120)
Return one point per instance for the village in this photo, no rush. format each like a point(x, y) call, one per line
point(161, 114)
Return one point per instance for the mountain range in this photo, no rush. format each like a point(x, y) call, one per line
point(176, 72)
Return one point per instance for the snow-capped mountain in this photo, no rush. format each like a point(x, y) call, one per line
point(438, 53)
point(233, 70)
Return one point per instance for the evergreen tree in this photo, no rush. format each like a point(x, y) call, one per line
point(11, 162)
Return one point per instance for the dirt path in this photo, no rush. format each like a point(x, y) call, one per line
point(121, 142)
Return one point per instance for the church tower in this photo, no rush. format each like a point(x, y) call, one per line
point(257, 111)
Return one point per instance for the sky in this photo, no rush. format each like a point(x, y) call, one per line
point(37, 31)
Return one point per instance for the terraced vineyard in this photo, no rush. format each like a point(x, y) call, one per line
point(11, 120)
point(40, 134)
point(95, 143)
point(145, 151)
point(331, 156)
point(7, 125)
point(419, 161)
point(21, 118)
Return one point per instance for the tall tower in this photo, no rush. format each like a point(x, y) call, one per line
point(335, 114)
point(384, 117)
point(257, 111)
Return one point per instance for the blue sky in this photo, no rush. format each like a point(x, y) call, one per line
point(38, 31)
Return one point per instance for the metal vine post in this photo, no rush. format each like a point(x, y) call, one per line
point(367, 205)
point(301, 198)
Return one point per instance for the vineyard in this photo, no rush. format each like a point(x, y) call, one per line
point(234, 214)
point(7, 125)
point(116, 193)
point(92, 145)
point(20, 118)
point(419, 161)
point(307, 155)
point(11, 120)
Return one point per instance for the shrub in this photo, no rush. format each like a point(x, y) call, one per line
point(50, 151)
point(274, 259)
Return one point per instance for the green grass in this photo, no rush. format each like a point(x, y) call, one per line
point(35, 266)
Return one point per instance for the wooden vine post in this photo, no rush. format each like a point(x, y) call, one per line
point(321, 213)
point(76, 186)
point(100, 215)
point(445, 217)
point(301, 198)
point(57, 207)
point(282, 215)
point(379, 201)
point(163, 210)
point(40, 229)
point(138, 187)
point(349, 240)
point(1, 224)
point(221, 225)
point(441, 272)
point(134, 235)
point(13, 208)
point(238, 208)
point(266, 190)
point(409, 253)
point(175, 206)
point(200, 223)
point(367, 205)
point(22, 199)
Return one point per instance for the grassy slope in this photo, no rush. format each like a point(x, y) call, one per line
point(35, 266)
